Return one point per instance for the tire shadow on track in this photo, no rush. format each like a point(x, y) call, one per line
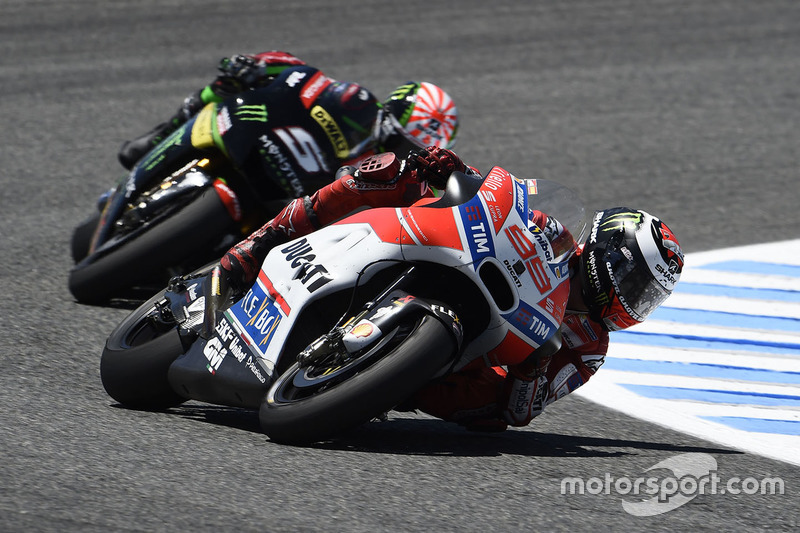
point(432, 437)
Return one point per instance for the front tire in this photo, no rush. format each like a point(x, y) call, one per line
point(82, 237)
point(196, 227)
point(296, 411)
point(136, 360)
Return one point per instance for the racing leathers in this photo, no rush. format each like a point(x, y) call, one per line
point(237, 73)
point(490, 393)
point(285, 139)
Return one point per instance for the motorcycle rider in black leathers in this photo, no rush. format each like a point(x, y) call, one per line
point(307, 124)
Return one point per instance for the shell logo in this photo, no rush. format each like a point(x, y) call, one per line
point(364, 329)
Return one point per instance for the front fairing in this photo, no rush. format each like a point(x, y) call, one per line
point(491, 239)
point(147, 172)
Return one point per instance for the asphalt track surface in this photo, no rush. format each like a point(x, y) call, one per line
point(686, 109)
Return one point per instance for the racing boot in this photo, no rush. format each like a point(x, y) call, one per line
point(132, 151)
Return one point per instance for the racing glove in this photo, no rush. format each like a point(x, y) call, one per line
point(525, 399)
point(434, 165)
point(238, 73)
point(525, 390)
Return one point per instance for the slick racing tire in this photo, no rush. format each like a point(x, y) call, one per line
point(197, 226)
point(82, 237)
point(136, 360)
point(305, 405)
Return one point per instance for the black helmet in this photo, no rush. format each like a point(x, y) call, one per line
point(417, 115)
point(629, 265)
point(348, 113)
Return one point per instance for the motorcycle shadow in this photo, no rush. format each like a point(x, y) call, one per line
point(415, 434)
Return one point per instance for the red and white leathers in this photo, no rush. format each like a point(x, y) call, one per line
point(488, 394)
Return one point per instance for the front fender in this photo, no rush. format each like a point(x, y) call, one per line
point(397, 308)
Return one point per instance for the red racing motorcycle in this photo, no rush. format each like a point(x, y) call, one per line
point(346, 323)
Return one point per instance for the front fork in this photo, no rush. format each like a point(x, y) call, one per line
point(392, 308)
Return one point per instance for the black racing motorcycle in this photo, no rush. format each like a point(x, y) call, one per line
point(190, 198)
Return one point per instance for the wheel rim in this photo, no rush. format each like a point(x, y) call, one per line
point(298, 383)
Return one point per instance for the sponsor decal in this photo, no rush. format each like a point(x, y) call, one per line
point(577, 331)
point(313, 88)
point(446, 311)
point(237, 351)
point(383, 311)
point(300, 254)
point(494, 193)
point(251, 365)
point(513, 270)
point(595, 227)
point(527, 252)
point(223, 121)
point(362, 334)
point(363, 329)
point(477, 229)
point(215, 353)
point(283, 167)
point(531, 323)
point(405, 299)
point(252, 113)
point(331, 129)
point(258, 315)
point(618, 221)
point(542, 241)
point(522, 199)
point(215, 350)
point(600, 297)
point(295, 77)
point(229, 199)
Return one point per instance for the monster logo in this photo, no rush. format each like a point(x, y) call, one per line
point(621, 220)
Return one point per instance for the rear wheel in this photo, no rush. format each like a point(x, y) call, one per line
point(137, 357)
point(316, 402)
point(146, 257)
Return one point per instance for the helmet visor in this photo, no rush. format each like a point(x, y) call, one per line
point(638, 291)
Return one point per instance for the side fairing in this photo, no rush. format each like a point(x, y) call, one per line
point(296, 274)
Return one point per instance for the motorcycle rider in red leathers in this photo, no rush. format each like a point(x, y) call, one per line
point(627, 267)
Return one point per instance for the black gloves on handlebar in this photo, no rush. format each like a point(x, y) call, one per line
point(435, 165)
point(237, 73)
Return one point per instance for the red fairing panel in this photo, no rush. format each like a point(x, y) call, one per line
point(498, 195)
point(440, 227)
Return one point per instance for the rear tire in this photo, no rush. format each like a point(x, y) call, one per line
point(195, 227)
point(136, 360)
point(287, 415)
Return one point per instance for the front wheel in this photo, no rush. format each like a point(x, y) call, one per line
point(137, 357)
point(313, 403)
point(82, 237)
point(196, 227)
